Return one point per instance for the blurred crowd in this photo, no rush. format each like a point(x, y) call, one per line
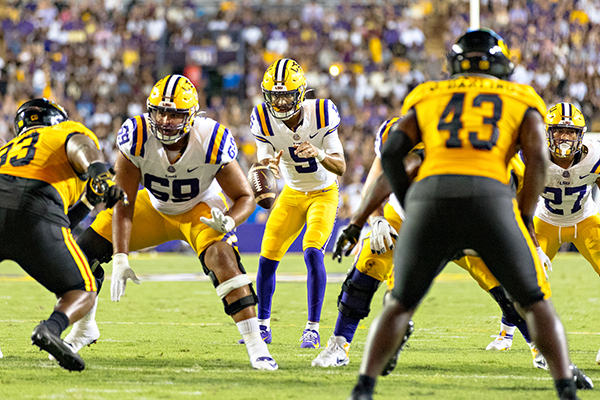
point(100, 58)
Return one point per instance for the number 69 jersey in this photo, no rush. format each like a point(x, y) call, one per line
point(565, 201)
point(176, 188)
point(319, 127)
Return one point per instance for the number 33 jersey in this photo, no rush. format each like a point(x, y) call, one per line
point(176, 188)
point(566, 200)
point(319, 128)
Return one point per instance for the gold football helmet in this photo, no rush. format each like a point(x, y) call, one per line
point(565, 127)
point(172, 106)
point(284, 88)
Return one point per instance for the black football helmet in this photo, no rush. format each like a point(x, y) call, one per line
point(480, 51)
point(38, 112)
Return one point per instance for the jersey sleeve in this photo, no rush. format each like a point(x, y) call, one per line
point(132, 137)
point(529, 96)
point(222, 148)
point(382, 135)
point(261, 130)
point(328, 116)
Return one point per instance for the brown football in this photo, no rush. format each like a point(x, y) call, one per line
point(264, 185)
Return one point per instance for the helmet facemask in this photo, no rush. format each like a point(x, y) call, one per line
point(564, 141)
point(169, 125)
point(284, 104)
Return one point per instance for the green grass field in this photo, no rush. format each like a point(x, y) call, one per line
point(171, 340)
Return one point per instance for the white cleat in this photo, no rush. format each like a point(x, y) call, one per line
point(265, 363)
point(82, 334)
point(335, 354)
point(502, 342)
point(539, 361)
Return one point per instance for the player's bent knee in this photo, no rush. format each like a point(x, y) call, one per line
point(95, 247)
point(357, 293)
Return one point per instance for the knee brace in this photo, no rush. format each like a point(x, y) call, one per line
point(98, 272)
point(238, 281)
point(357, 292)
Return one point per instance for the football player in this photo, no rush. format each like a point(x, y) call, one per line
point(566, 212)
point(471, 125)
point(297, 138)
point(374, 264)
point(52, 164)
point(185, 163)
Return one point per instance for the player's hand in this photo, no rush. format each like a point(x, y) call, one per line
point(219, 221)
point(382, 235)
point(545, 261)
point(274, 164)
point(121, 271)
point(101, 188)
point(306, 150)
point(349, 237)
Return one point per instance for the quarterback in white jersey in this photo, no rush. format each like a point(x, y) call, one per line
point(184, 162)
point(298, 138)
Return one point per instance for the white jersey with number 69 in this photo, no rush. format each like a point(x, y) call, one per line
point(177, 188)
point(566, 199)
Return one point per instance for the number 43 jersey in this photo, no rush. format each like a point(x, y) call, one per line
point(470, 124)
point(176, 188)
point(566, 200)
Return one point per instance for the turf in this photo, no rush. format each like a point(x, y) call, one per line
point(171, 340)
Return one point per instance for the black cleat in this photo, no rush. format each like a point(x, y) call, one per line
point(47, 341)
point(582, 381)
point(391, 364)
point(359, 395)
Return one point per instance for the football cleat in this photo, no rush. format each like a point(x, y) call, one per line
point(582, 381)
point(391, 364)
point(335, 354)
point(310, 339)
point(83, 334)
point(502, 342)
point(47, 341)
point(265, 363)
point(265, 334)
point(360, 395)
point(539, 361)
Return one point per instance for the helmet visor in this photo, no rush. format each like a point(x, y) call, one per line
point(283, 104)
point(167, 124)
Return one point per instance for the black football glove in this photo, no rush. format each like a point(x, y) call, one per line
point(349, 237)
point(100, 188)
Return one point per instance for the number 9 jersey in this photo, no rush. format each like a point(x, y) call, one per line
point(469, 124)
point(177, 188)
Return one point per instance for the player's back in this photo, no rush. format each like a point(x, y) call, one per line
point(470, 124)
point(40, 154)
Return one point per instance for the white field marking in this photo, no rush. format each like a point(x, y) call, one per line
point(105, 390)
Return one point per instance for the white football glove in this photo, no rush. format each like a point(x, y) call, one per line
point(381, 235)
point(545, 261)
point(121, 271)
point(219, 221)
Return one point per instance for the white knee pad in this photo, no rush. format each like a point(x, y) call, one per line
point(230, 285)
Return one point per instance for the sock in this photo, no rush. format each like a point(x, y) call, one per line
point(566, 388)
point(254, 344)
point(365, 384)
point(264, 322)
point(346, 327)
point(508, 328)
point(315, 282)
point(314, 326)
point(265, 286)
point(90, 316)
point(57, 322)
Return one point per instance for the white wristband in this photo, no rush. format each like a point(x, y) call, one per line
point(321, 156)
point(120, 258)
point(85, 201)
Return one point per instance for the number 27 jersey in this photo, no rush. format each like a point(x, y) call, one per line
point(566, 200)
point(177, 188)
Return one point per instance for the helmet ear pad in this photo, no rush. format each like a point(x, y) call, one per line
point(38, 112)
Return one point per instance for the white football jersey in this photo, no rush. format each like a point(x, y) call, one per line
point(566, 200)
point(382, 135)
point(179, 187)
point(319, 127)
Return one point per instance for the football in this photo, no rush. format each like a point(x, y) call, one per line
point(264, 185)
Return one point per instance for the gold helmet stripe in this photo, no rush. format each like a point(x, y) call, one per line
point(170, 86)
point(280, 69)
